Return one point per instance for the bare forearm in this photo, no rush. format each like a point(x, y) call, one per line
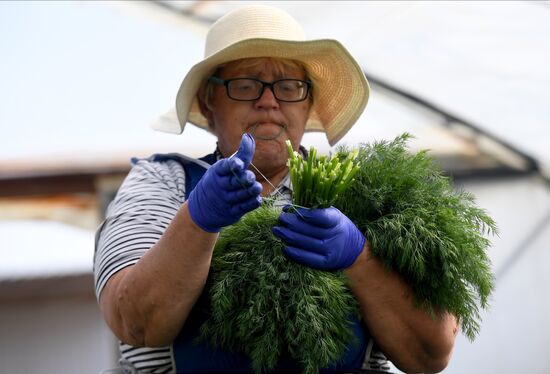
point(148, 303)
point(412, 339)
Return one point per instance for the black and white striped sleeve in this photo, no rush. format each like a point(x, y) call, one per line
point(144, 206)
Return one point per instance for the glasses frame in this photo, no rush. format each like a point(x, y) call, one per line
point(226, 82)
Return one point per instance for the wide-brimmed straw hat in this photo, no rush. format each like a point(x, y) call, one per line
point(341, 90)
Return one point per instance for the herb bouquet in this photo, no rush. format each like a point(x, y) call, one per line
point(269, 307)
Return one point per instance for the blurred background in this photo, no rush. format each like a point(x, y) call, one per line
point(81, 82)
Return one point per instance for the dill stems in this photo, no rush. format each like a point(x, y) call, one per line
point(318, 181)
point(435, 237)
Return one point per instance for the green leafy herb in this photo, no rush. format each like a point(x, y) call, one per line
point(270, 308)
point(434, 236)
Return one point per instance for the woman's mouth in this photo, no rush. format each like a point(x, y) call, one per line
point(267, 130)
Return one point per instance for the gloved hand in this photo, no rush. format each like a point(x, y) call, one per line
point(323, 239)
point(226, 191)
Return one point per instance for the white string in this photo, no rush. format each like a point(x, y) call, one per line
point(275, 189)
point(265, 178)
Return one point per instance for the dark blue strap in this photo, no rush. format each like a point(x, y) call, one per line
point(193, 170)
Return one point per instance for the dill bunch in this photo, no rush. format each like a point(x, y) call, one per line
point(269, 307)
point(419, 226)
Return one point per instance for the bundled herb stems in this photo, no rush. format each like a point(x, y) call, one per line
point(434, 237)
point(318, 182)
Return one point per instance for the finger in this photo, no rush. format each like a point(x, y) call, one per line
point(228, 183)
point(287, 208)
point(241, 194)
point(299, 240)
point(293, 222)
point(306, 258)
point(246, 149)
point(237, 181)
point(322, 217)
point(228, 166)
point(246, 206)
point(245, 178)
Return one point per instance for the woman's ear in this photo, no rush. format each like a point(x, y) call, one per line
point(206, 111)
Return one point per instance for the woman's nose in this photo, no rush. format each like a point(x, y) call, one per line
point(267, 100)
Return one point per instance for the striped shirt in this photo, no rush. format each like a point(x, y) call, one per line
point(144, 206)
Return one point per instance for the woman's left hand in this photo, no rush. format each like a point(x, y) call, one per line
point(323, 239)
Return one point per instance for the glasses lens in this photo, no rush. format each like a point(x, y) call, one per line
point(244, 89)
point(251, 89)
point(290, 90)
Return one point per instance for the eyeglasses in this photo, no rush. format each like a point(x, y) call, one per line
point(250, 89)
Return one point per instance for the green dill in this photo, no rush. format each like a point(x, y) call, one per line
point(418, 225)
point(318, 181)
point(269, 307)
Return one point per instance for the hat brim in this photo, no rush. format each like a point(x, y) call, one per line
point(341, 90)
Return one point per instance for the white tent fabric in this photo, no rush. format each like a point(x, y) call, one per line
point(93, 83)
point(487, 61)
point(80, 82)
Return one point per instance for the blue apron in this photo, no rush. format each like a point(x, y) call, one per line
point(191, 356)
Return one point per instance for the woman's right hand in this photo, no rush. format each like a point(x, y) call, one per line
point(226, 191)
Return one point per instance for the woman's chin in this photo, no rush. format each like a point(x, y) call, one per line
point(268, 145)
point(270, 154)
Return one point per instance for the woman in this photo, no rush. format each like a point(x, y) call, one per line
point(260, 84)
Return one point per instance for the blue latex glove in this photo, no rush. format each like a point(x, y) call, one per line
point(226, 191)
point(323, 239)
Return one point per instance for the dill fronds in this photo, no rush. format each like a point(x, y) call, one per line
point(418, 225)
point(271, 308)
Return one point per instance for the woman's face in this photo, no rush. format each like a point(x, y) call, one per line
point(270, 121)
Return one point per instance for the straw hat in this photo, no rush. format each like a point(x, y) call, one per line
point(341, 90)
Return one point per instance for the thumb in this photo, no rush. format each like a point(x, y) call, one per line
point(246, 149)
point(322, 217)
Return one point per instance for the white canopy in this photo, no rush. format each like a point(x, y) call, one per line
point(85, 80)
point(80, 83)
